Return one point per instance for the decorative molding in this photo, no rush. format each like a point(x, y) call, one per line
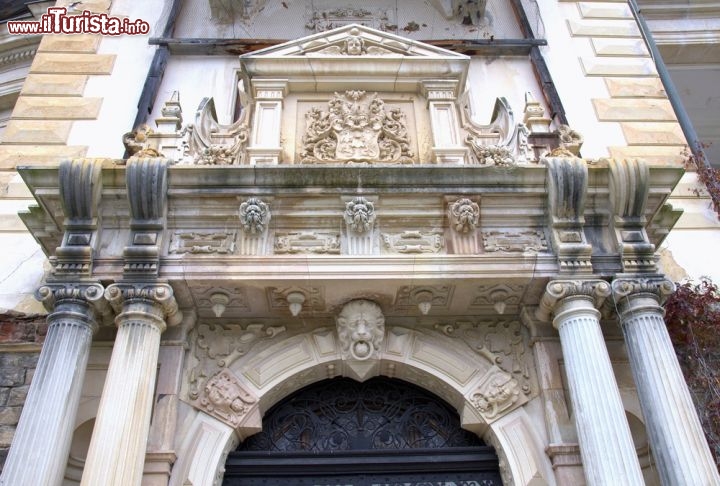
point(414, 242)
point(496, 393)
point(464, 215)
point(504, 343)
point(237, 300)
point(491, 295)
point(254, 216)
point(356, 128)
point(491, 154)
point(439, 296)
point(312, 242)
point(514, 241)
point(361, 330)
point(359, 215)
point(225, 398)
point(215, 347)
point(203, 242)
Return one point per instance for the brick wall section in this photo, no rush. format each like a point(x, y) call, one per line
point(637, 99)
point(21, 337)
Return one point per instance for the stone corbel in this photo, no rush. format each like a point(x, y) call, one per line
point(361, 333)
point(80, 187)
point(146, 180)
point(567, 187)
point(629, 189)
point(265, 145)
point(442, 97)
point(359, 218)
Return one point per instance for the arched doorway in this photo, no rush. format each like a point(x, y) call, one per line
point(382, 432)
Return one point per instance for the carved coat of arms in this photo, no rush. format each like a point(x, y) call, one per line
point(356, 128)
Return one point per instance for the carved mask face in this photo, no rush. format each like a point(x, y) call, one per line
point(361, 329)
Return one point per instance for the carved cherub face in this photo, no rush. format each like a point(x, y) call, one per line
point(354, 45)
point(361, 329)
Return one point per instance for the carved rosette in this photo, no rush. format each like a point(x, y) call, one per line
point(464, 215)
point(254, 216)
point(361, 330)
point(226, 399)
point(496, 393)
point(359, 215)
point(356, 128)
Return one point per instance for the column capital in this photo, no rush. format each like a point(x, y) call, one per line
point(60, 298)
point(660, 287)
point(595, 291)
point(158, 296)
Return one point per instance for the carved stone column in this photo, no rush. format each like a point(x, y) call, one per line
point(48, 416)
point(119, 440)
point(606, 446)
point(676, 436)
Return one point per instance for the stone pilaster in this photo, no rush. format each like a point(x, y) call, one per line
point(48, 416)
point(606, 446)
point(119, 440)
point(676, 436)
point(448, 145)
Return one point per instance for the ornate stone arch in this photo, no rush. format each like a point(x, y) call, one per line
point(468, 381)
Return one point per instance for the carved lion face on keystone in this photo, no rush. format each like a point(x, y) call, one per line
point(361, 329)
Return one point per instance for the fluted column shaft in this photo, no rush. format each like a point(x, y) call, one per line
point(606, 446)
point(119, 441)
point(48, 415)
point(676, 436)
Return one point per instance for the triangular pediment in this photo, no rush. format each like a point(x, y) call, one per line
point(355, 40)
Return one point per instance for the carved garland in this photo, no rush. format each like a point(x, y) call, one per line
point(356, 128)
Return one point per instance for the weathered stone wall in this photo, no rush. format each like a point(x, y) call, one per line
point(21, 337)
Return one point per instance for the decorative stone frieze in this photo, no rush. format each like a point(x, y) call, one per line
point(322, 20)
point(225, 398)
point(215, 347)
point(629, 190)
point(357, 127)
point(464, 215)
point(514, 241)
point(504, 343)
point(80, 186)
point(567, 188)
point(497, 392)
point(203, 242)
point(51, 405)
point(683, 457)
point(361, 330)
point(414, 242)
point(307, 242)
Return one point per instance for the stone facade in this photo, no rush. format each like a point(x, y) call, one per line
point(354, 202)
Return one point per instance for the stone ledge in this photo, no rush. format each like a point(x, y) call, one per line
point(64, 63)
point(603, 28)
point(653, 154)
point(608, 66)
point(54, 85)
point(633, 110)
point(56, 108)
point(635, 88)
point(657, 133)
point(37, 131)
point(13, 155)
point(86, 43)
point(604, 11)
point(619, 47)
